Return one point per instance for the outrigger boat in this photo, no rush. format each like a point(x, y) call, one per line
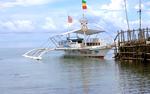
point(83, 42)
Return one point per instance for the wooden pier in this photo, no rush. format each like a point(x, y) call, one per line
point(133, 45)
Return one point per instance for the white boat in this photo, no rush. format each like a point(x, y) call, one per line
point(83, 42)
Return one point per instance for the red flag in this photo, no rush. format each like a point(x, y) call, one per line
point(69, 19)
point(84, 7)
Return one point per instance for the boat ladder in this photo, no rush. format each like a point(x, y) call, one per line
point(37, 53)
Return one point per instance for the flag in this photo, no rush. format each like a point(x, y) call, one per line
point(84, 6)
point(69, 19)
point(83, 1)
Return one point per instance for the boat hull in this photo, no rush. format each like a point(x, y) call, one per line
point(95, 53)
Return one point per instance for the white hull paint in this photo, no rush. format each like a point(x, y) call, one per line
point(97, 53)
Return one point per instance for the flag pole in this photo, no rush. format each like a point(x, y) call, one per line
point(69, 22)
point(68, 37)
point(83, 20)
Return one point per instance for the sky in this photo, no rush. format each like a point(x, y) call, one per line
point(51, 15)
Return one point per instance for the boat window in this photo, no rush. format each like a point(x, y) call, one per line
point(92, 43)
point(77, 40)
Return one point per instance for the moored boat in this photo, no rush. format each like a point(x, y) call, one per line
point(83, 42)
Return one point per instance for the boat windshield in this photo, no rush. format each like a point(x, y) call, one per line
point(79, 40)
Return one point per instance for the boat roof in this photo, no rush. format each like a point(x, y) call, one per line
point(88, 32)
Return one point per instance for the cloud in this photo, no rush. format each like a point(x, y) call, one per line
point(137, 6)
point(8, 4)
point(114, 5)
point(17, 25)
point(147, 3)
point(111, 15)
point(49, 24)
point(135, 24)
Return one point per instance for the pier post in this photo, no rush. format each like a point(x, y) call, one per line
point(118, 38)
point(147, 34)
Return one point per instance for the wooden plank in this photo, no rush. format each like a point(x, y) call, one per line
point(130, 58)
point(127, 52)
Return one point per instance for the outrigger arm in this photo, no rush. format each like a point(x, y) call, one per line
point(37, 53)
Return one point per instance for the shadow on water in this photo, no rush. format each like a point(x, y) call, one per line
point(134, 77)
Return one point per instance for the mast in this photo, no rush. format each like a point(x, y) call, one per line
point(126, 12)
point(84, 27)
point(140, 13)
point(125, 5)
point(141, 34)
point(83, 20)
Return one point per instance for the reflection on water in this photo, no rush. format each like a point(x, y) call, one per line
point(134, 78)
point(58, 75)
point(87, 76)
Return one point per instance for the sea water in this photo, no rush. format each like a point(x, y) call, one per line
point(55, 74)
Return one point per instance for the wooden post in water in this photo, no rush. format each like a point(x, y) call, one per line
point(123, 37)
point(129, 35)
point(118, 38)
point(133, 34)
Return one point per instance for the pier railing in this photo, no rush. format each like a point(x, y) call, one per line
point(135, 35)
